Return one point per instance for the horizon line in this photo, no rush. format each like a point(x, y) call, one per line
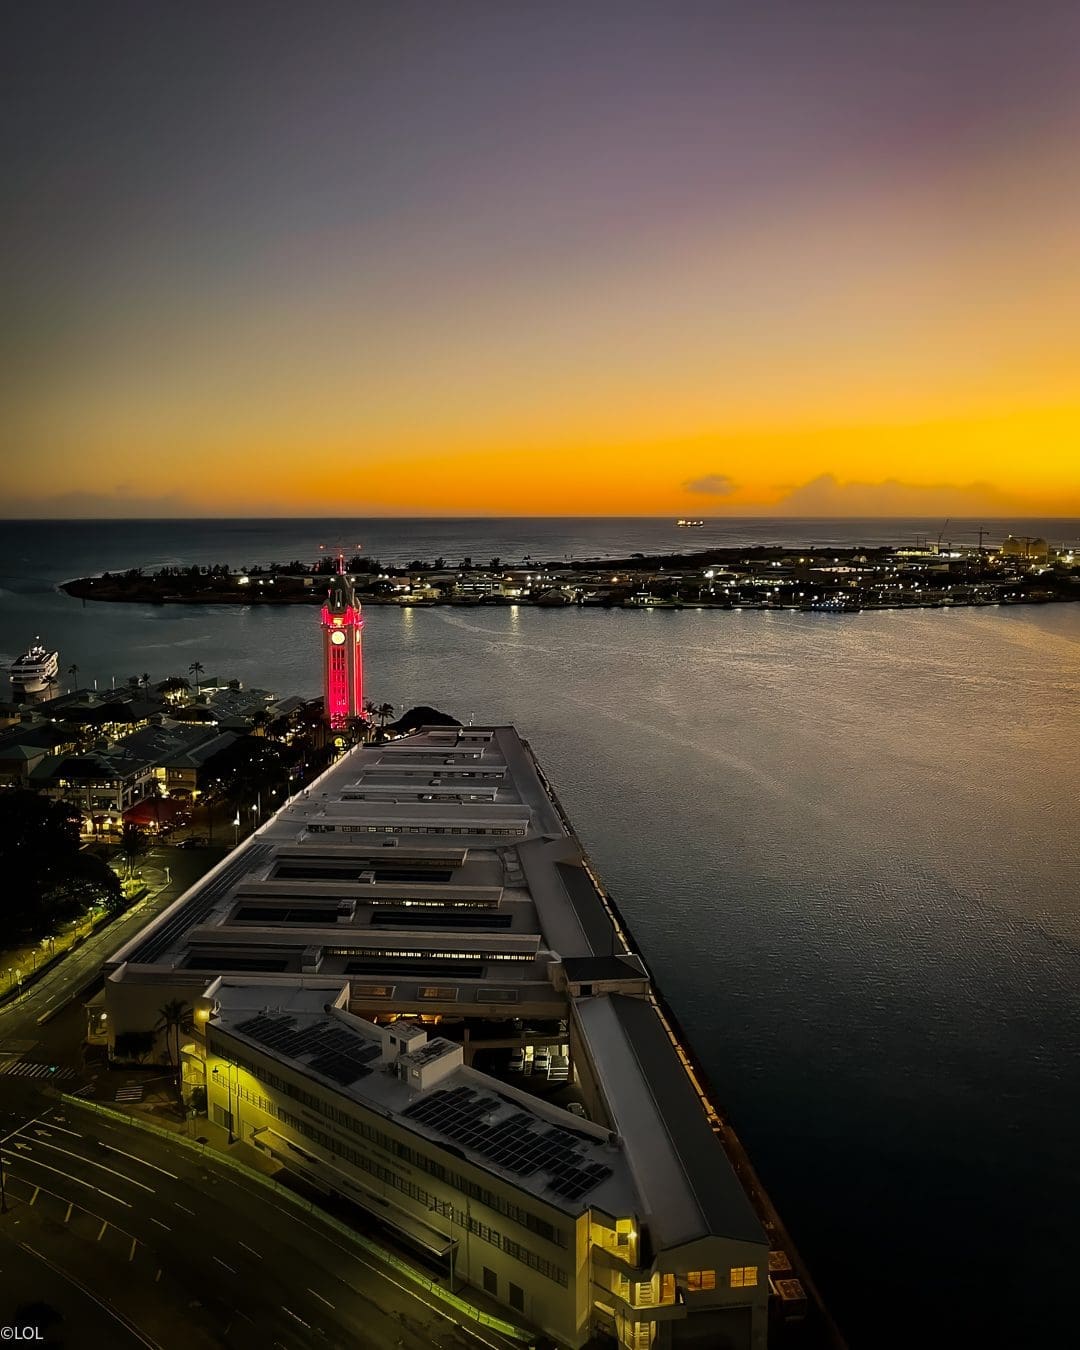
point(150, 519)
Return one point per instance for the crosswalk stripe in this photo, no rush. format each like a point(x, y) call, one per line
point(24, 1068)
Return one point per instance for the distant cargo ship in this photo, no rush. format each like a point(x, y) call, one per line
point(35, 670)
point(689, 524)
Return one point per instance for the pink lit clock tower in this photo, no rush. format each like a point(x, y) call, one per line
point(343, 662)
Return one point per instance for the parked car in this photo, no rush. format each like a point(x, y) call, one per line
point(576, 1109)
point(542, 1060)
point(517, 1061)
point(196, 841)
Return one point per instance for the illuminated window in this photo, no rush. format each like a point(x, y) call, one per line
point(701, 1279)
point(743, 1277)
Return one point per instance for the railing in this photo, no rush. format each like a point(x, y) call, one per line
point(372, 1248)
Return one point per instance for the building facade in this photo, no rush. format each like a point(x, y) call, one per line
point(384, 978)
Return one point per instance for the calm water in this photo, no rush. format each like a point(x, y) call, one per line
point(848, 845)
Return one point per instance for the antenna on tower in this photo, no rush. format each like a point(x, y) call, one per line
point(339, 555)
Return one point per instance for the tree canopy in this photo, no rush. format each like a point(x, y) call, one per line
point(48, 877)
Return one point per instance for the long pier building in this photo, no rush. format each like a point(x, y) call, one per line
point(410, 988)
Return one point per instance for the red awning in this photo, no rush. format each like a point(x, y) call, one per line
point(157, 812)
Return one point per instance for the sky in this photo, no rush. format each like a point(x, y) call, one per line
point(795, 257)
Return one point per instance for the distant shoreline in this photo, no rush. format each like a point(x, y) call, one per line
point(815, 578)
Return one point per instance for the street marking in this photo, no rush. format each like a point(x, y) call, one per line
point(184, 1208)
point(113, 1149)
point(222, 1263)
point(158, 1275)
point(77, 1180)
point(122, 1175)
point(160, 1224)
point(369, 1263)
point(321, 1299)
point(63, 1129)
point(295, 1318)
point(37, 1192)
point(134, 1244)
point(101, 1230)
point(25, 1068)
point(250, 1249)
point(124, 1321)
point(71, 1206)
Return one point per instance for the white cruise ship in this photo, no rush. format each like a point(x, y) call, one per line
point(34, 671)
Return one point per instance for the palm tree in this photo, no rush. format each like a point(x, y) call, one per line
point(175, 1017)
point(371, 708)
point(145, 682)
point(175, 687)
point(73, 671)
point(260, 720)
point(384, 712)
point(358, 728)
point(134, 845)
point(197, 669)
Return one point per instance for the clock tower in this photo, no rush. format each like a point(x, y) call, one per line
point(343, 664)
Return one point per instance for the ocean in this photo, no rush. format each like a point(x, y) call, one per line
point(848, 846)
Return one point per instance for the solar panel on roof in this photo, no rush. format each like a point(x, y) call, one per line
point(513, 1142)
point(335, 1053)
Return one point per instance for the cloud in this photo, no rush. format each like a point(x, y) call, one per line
point(712, 485)
point(825, 495)
point(123, 503)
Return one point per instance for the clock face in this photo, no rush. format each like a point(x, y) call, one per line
point(337, 637)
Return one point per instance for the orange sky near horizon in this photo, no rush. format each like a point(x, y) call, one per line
point(818, 276)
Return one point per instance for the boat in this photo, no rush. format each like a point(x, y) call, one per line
point(35, 670)
point(831, 606)
point(690, 524)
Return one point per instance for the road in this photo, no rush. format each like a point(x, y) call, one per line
point(130, 1239)
point(181, 1251)
point(77, 971)
point(51, 1303)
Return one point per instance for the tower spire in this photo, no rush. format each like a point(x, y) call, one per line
point(341, 621)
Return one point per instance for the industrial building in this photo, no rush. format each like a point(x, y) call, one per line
point(410, 988)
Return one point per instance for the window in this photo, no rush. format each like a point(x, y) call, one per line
point(517, 1298)
point(696, 1280)
point(743, 1277)
point(491, 1283)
